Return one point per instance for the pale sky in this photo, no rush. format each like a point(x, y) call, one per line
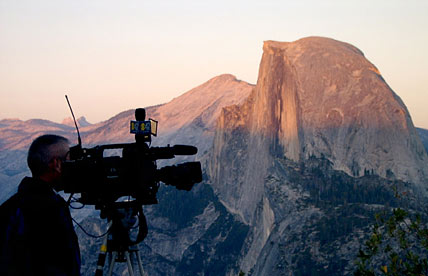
point(110, 56)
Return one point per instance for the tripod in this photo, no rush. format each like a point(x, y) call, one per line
point(117, 244)
point(128, 255)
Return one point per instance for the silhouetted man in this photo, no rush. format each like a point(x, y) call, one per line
point(37, 236)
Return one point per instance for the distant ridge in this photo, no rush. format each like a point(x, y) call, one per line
point(16, 134)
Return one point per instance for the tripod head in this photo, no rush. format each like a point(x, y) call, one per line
point(122, 217)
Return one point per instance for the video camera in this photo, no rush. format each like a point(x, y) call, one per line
point(102, 180)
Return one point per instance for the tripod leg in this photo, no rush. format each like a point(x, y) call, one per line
point(128, 261)
point(140, 265)
point(101, 258)
point(113, 260)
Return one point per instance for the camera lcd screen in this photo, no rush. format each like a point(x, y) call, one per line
point(149, 127)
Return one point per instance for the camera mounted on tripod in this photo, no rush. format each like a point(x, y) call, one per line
point(101, 180)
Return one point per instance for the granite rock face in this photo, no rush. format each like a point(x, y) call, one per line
point(327, 99)
point(321, 97)
point(315, 99)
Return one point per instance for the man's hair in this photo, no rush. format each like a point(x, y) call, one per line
point(41, 152)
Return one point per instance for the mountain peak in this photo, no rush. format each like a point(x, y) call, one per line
point(81, 122)
point(215, 93)
point(224, 77)
point(321, 97)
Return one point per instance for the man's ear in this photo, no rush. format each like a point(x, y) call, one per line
point(55, 165)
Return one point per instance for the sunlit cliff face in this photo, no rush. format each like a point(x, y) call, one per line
point(321, 97)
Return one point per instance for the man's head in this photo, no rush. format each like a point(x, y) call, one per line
point(46, 155)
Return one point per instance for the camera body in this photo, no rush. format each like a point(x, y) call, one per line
point(102, 180)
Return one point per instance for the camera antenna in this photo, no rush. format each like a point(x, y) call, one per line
point(79, 141)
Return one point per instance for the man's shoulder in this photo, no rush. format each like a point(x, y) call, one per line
point(30, 198)
point(36, 192)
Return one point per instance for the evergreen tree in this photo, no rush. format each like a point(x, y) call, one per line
point(398, 245)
